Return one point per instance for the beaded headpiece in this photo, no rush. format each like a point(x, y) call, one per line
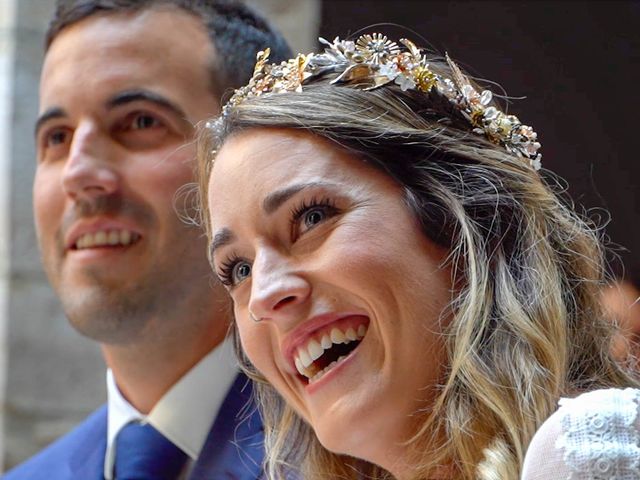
point(374, 61)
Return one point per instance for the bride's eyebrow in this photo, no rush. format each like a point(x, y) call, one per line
point(270, 204)
point(274, 200)
point(222, 237)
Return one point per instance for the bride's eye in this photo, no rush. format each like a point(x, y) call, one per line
point(310, 214)
point(234, 271)
point(314, 216)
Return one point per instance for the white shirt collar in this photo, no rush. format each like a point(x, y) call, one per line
point(185, 413)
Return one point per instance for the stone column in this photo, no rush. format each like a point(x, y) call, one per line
point(7, 55)
point(51, 377)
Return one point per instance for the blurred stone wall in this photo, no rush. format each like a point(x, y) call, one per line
point(51, 377)
point(7, 50)
point(298, 20)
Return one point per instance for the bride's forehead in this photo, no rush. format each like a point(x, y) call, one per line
point(276, 156)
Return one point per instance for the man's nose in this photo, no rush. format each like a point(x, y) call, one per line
point(280, 290)
point(89, 171)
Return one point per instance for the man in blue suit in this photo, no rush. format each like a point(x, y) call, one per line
point(123, 84)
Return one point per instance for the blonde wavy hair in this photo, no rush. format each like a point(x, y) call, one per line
point(526, 326)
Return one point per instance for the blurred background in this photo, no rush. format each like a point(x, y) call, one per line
point(577, 63)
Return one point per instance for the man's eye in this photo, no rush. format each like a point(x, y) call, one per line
point(141, 122)
point(56, 137)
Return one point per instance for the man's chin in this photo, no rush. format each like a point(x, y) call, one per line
point(108, 318)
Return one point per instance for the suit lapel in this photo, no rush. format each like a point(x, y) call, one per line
point(234, 448)
point(87, 462)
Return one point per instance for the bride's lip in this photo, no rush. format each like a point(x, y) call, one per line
point(301, 334)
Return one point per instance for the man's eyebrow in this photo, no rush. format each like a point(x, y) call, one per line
point(274, 200)
point(221, 238)
point(137, 95)
point(49, 114)
point(121, 98)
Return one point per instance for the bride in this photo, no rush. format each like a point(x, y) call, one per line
point(411, 297)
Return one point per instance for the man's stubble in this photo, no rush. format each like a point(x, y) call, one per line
point(120, 312)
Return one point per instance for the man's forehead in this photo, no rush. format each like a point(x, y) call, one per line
point(127, 23)
point(111, 52)
point(160, 32)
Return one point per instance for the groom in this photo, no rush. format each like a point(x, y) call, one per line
point(123, 83)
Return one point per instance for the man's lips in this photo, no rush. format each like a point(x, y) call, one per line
point(100, 233)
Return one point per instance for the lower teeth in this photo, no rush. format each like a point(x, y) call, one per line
point(321, 373)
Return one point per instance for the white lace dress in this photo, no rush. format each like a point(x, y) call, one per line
point(595, 436)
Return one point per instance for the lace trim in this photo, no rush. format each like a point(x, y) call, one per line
point(599, 435)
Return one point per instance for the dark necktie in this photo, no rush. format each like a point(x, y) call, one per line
point(143, 453)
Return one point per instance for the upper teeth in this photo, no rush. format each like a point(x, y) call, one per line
point(315, 347)
point(106, 237)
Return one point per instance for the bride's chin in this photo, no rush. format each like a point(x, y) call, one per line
point(374, 449)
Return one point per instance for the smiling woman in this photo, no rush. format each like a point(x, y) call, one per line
point(410, 295)
point(331, 264)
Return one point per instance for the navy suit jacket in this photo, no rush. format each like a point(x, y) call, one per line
point(233, 450)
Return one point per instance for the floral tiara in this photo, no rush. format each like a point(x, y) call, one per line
point(374, 61)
